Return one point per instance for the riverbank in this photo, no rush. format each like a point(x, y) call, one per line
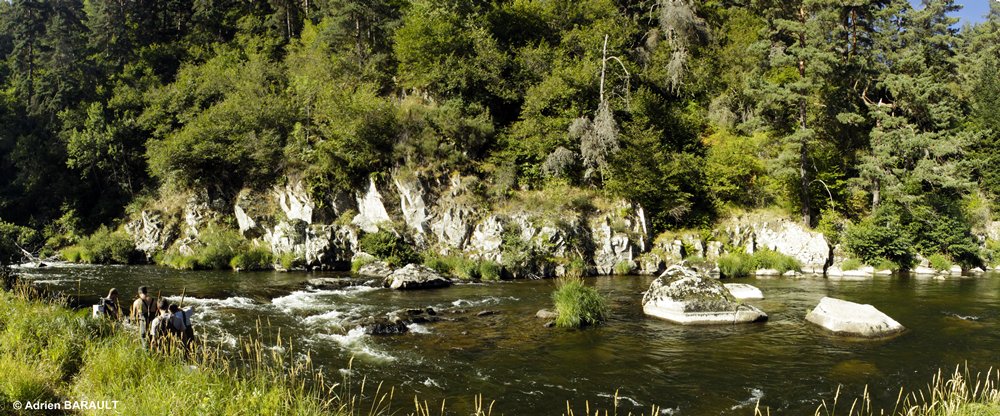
point(52, 354)
point(653, 357)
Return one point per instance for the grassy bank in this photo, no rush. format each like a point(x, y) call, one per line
point(50, 353)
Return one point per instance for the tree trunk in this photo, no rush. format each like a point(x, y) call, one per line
point(804, 139)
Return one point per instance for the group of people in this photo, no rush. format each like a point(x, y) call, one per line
point(160, 324)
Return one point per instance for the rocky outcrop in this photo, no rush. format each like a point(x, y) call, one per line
point(744, 291)
point(412, 205)
point(413, 276)
point(684, 296)
point(617, 239)
point(849, 318)
point(150, 234)
point(371, 210)
point(295, 202)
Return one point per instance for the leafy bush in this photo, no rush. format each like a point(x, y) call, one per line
point(221, 245)
point(103, 247)
point(850, 264)
point(489, 270)
point(578, 305)
point(256, 258)
point(880, 237)
point(940, 262)
point(388, 247)
point(179, 261)
point(770, 259)
point(883, 264)
point(732, 265)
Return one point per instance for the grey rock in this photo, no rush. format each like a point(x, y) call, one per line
point(414, 276)
point(377, 268)
point(371, 210)
point(546, 314)
point(685, 296)
point(849, 318)
point(744, 291)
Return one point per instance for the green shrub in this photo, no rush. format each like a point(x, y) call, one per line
point(356, 264)
point(623, 267)
point(466, 269)
point(732, 265)
point(103, 247)
point(175, 260)
point(221, 245)
point(883, 264)
point(439, 264)
point(880, 237)
point(940, 262)
point(851, 264)
point(576, 267)
point(388, 247)
point(291, 261)
point(489, 270)
point(256, 258)
point(770, 259)
point(578, 305)
point(71, 254)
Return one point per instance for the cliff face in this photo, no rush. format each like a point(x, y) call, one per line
point(445, 217)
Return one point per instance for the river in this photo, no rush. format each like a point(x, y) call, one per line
point(510, 357)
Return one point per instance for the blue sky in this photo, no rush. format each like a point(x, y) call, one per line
point(972, 10)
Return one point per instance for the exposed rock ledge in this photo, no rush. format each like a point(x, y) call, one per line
point(682, 295)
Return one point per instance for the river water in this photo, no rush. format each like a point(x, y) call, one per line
point(510, 357)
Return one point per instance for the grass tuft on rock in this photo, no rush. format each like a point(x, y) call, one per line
point(578, 305)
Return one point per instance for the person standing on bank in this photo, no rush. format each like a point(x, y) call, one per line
point(111, 307)
point(143, 312)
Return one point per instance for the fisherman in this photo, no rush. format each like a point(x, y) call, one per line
point(183, 319)
point(111, 307)
point(143, 312)
point(165, 328)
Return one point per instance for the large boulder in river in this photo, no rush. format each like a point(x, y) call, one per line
point(684, 296)
point(375, 268)
point(849, 318)
point(414, 276)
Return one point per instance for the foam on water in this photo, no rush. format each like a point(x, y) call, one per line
point(333, 317)
point(755, 396)
point(235, 302)
point(418, 329)
point(355, 341)
point(620, 398)
point(489, 300)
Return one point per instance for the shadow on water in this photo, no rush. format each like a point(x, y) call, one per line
point(509, 356)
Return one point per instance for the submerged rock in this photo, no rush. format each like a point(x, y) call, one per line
point(684, 296)
point(849, 318)
point(384, 326)
point(414, 276)
point(744, 291)
point(546, 314)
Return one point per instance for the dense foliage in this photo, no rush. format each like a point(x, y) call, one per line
point(687, 107)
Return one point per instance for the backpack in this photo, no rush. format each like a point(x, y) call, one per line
point(165, 327)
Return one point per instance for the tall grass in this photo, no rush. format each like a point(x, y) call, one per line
point(578, 305)
point(463, 267)
point(734, 265)
point(957, 394)
point(51, 353)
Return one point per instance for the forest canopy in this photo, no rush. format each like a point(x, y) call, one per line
point(874, 112)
